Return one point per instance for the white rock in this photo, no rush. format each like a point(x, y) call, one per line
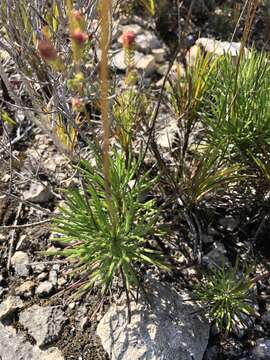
point(38, 193)
point(215, 47)
point(38, 268)
point(170, 329)
point(137, 29)
point(146, 64)
point(14, 346)
point(118, 60)
point(53, 277)
point(61, 282)
point(220, 48)
point(53, 161)
point(192, 54)
point(20, 261)
point(42, 276)
point(44, 288)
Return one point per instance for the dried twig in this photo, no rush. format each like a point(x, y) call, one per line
point(24, 226)
point(11, 245)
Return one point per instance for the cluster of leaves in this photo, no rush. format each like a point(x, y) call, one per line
point(201, 167)
point(238, 104)
point(226, 293)
point(236, 113)
point(108, 236)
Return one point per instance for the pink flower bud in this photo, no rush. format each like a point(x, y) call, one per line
point(79, 37)
point(128, 39)
point(46, 50)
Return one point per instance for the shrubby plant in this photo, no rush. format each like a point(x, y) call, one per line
point(201, 167)
point(226, 295)
point(107, 236)
point(237, 107)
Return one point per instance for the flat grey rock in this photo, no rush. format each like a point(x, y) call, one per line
point(169, 330)
point(147, 64)
point(43, 323)
point(38, 193)
point(14, 346)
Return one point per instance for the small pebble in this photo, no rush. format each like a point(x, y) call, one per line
point(42, 276)
point(62, 281)
point(26, 289)
point(53, 277)
point(44, 289)
point(38, 268)
point(72, 305)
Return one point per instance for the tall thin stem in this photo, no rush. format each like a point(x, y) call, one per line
point(105, 7)
point(104, 14)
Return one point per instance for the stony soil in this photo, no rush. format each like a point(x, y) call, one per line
point(34, 171)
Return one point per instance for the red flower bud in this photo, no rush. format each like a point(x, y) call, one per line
point(128, 38)
point(46, 50)
point(79, 37)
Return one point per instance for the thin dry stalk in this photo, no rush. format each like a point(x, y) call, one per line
point(104, 17)
point(105, 11)
point(251, 13)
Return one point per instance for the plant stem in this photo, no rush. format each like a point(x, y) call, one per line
point(104, 11)
point(105, 7)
